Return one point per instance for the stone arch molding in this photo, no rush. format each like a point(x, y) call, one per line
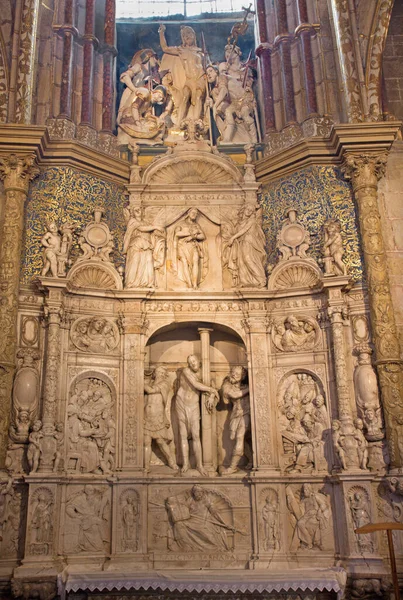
point(191, 167)
point(234, 327)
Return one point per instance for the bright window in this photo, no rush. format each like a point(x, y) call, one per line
point(131, 9)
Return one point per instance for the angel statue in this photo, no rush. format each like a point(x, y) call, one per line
point(144, 246)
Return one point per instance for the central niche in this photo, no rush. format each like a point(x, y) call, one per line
point(201, 431)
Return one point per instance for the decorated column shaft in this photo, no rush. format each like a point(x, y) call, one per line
point(88, 63)
point(16, 172)
point(339, 351)
point(347, 58)
point(365, 170)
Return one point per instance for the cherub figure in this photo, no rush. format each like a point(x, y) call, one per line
point(52, 244)
point(337, 437)
point(34, 446)
point(333, 249)
point(362, 443)
point(87, 250)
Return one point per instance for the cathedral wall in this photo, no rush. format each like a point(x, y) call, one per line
point(393, 63)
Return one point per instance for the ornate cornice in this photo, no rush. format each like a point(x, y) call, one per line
point(24, 139)
point(360, 139)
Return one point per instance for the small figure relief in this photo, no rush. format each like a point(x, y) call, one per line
point(185, 64)
point(368, 589)
point(367, 394)
point(96, 240)
point(293, 240)
point(310, 516)
point(190, 257)
point(56, 248)
point(359, 503)
point(244, 248)
point(235, 391)
point(304, 424)
point(87, 527)
point(48, 446)
point(129, 520)
point(186, 409)
point(95, 334)
point(390, 508)
point(157, 423)
point(136, 119)
point(91, 428)
point(200, 520)
point(34, 446)
point(41, 522)
point(270, 517)
point(295, 333)
point(333, 249)
point(11, 505)
point(350, 444)
point(144, 246)
point(25, 396)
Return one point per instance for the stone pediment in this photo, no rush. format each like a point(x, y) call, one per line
point(184, 167)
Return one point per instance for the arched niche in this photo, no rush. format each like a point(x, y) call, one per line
point(169, 347)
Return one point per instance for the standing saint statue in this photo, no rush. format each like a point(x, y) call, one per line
point(144, 246)
point(186, 67)
point(156, 423)
point(244, 251)
point(187, 411)
point(190, 255)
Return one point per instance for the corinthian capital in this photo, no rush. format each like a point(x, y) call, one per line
point(364, 168)
point(17, 170)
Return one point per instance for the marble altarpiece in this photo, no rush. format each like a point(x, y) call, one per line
point(186, 396)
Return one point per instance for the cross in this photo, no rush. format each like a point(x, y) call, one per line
point(248, 11)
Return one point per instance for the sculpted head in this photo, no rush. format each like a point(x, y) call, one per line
point(336, 425)
point(212, 73)
point(359, 424)
point(193, 362)
point(307, 490)
point(23, 416)
point(98, 324)
point(37, 426)
point(319, 401)
point(89, 490)
point(369, 414)
point(192, 214)
point(52, 227)
point(197, 492)
point(237, 374)
point(188, 36)
point(160, 373)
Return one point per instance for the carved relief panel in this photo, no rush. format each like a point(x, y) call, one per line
point(86, 527)
point(94, 335)
point(270, 521)
point(304, 424)
point(42, 522)
point(129, 521)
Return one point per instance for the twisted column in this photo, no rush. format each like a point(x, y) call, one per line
point(16, 172)
point(365, 170)
point(263, 52)
point(304, 32)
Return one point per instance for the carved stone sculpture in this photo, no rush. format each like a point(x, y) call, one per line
point(304, 423)
point(350, 444)
point(236, 391)
point(243, 248)
point(88, 510)
point(42, 521)
point(190, 253)
point(293, 240)
point(136, 120)
point(95, 334)
point(25, 396)
point(270, 517)
point(360, 513)
point(310, 517)
point(187, 411)
point(294, 333)
point(157, 425)
point(91, 428)
point(144, 246)
point(185, 64)
point(333, 249)
point(96, 240)
point(34, 446)
point(129, 514)
point(56, 249)
point(197, 522)
point(367, 394)
point(10, 509)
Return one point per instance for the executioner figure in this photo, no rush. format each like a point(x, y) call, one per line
point(156, 423)
point(236, 391)
point(187, 411)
